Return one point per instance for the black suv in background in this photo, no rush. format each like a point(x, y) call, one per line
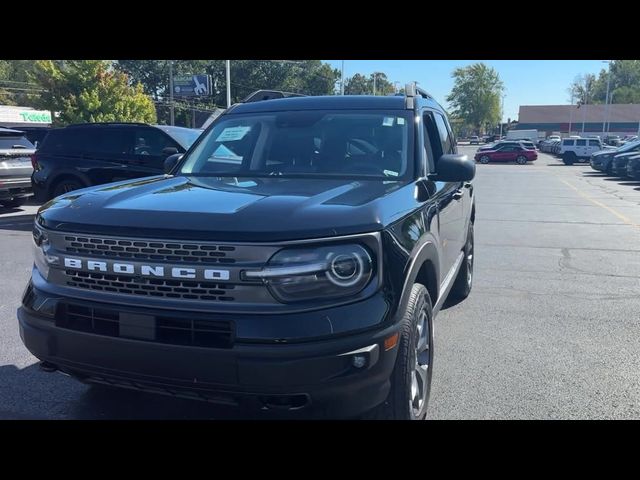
point(89, 154)
point(293, 261)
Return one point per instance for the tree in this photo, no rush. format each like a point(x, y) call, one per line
point(91, 91)
point(583, 89)
point(359, 84)
point(624, 84)
point(476, 95)
point(16, 87)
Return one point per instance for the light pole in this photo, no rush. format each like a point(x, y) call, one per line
point(375, 76)
point(586, 101)
point(501, 115)
point(342, 79)
point(606, 101)
point(228, 65)
point(171, 108)
point(570, 113)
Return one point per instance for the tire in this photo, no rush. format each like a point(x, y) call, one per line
point(409, 395)
point(569, 158)
point(464, 281)
point(66, 185)
point(14, 202)
point(484, 159)
point(521, 160)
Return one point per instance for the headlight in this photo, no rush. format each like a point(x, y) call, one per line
point(302, 274)
point(43, 259)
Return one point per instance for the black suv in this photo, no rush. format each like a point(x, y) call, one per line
point(293, 260)
point(88, 154)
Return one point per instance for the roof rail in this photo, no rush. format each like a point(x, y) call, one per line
point(411, 90)
point(260, 95)
point(107, 123)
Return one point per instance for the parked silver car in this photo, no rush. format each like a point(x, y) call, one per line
point(15, 167)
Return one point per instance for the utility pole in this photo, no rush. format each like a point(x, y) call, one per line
point(171, 92)
point(586, 101)
point(606, 103)
point(570, 114)
point(342, 79)
point(375, 76)
point(228, 65)
point(501, 115)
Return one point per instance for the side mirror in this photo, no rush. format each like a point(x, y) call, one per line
point(171, 162)
point(169, 151)
point(455, 168)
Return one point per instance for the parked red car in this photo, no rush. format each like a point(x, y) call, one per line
point(507, 153)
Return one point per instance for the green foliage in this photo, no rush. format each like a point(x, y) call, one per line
point(476, 96)
point(16, 87)
point(624, 84)
point(361, 85)
point(91, 91)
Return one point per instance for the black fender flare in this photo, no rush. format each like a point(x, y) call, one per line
point(425, 250)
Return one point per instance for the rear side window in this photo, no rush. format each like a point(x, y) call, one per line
point(64, 141)
point(594, 143)
point(581, 143)
point(109, 141)
point(567, 143)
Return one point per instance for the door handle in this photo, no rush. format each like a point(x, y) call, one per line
point(458, 194)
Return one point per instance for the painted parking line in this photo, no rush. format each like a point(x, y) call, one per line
point(613, 211)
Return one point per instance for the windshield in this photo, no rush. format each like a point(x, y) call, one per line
point(628, 147)
point(9, 143)
point(184, 136)
point(367, 144)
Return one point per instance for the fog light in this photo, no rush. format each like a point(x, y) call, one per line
point(359, 361)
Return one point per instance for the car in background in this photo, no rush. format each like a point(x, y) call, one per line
point(495, 145)
point(507, 152)
point(574, 150)
point(619, 164)
point(528, 144)
point(628, 139)
point(603, 161)
point(475, 140)
point(613, 140)
point(633, 167)
point(83, 155)
point(15, 167)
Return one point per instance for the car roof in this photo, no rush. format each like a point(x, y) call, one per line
point(10, 132)
point(327, 102)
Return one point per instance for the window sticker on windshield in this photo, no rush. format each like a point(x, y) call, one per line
point(390, 173)
point(387, 122)
point(400, 121)
point(232, 134)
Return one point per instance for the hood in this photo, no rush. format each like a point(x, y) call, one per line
point(604, 152)
point(230, 209)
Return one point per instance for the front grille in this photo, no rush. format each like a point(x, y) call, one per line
point(150, 250)
point(167, 330)
point(152, 287)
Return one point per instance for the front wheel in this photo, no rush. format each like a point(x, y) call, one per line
point(411, 377)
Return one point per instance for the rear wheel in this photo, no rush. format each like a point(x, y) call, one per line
point(485, 159)
point(14, 202)
point(569, 158)
point(66, 185)
point(521, 160)
point(411, 377)
point(464, 281)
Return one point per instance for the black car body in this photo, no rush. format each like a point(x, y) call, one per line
point(293, 261)
point(15, 167)
point(603, 160)
point(619, 164)
point(89, 154)
point(633, 167)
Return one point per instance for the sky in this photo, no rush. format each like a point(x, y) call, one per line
point(527, 82)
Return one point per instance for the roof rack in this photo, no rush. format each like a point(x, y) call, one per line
point(411, 91)
point(107, 123)
point(261, 95)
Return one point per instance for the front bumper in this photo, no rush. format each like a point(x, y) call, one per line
point(312, 378)
point(619, 169)
point(15, 187)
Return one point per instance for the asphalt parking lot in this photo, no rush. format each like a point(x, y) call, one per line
point(550, 331)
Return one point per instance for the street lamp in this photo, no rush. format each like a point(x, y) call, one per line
point(375, 76)
point(606, 101)
point(501, 115)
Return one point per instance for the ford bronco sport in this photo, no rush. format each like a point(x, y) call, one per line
point(293, 260)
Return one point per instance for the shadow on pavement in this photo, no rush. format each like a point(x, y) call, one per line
point(30, 393)
point(22, 223)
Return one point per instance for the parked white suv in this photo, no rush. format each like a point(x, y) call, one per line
point(579, 149)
